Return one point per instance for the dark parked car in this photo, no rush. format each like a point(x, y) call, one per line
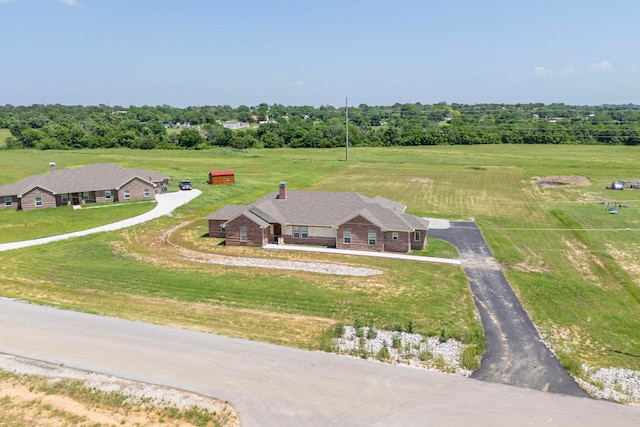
point(185, 185)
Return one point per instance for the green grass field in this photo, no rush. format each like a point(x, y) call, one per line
point(38, 223)
point(574, 266)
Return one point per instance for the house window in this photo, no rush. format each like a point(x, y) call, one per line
point(127, 194)
point(38, 202)
point(372, 238)
point(300, 232)
point(228, 179)
point(65, 198)
point(394, 236)
point(243, 234)
point(8, 201)
point(85, 195)
point(346, 237)
point(146, 192)
point(107, 194)
point(416, 236)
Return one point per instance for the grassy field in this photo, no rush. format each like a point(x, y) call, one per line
point(574, 266)
point(38, 223)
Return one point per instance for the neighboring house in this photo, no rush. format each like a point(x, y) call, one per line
point(221, 177)
point(103, 182)
point(337, 220)
point(235, 124)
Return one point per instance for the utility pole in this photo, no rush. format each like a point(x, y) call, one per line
point(346, 121)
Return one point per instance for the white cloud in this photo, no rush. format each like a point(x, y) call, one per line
point(600, 66)
point(298, 83)
point(69, 2)
point(566, 71)
point(542, 72)
point(6, 1)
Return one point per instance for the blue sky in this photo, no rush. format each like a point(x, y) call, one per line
point(209, 52)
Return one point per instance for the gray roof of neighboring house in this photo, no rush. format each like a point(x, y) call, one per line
point(101, 176)
point(326, 209)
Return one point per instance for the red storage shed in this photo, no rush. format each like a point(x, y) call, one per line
point(221, 177)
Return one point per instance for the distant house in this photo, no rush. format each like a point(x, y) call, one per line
point(332, 219)
point(221, 177)
point(235, 124)
point(102, 182)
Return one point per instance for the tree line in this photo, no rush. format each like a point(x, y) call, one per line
point(270, 126)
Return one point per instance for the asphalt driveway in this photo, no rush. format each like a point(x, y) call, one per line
point(515, 353)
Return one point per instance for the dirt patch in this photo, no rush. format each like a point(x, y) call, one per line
point(560, 180)
point(627, 259)
point(530, 267)
point(42, 394)
point(582, 260)
point(422, 180)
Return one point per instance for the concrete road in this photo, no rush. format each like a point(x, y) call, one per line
point(166, 203)
point(515, 353)
point(278, 386)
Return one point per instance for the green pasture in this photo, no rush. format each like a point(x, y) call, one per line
point(38, 223)
point(574, 266)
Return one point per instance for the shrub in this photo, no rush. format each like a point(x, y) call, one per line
point(372, 333)
point(357, 324)
point(362, 348)
point(384, 354)
point(396, 342)
point(425, 355)
point(469, 359)
point(443, 336)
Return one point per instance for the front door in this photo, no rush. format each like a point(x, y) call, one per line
point(277, 232)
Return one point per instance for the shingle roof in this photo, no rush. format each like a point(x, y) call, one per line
point(228, 212)
point(256, 219)
point(326, 209)
point(101, 176)
point(19, 187)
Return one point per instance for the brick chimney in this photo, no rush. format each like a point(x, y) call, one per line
point(282, 191)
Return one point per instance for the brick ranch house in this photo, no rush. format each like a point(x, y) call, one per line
point(336, 220)
point(102, 182)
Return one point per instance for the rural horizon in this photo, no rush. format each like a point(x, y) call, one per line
point(448, 186)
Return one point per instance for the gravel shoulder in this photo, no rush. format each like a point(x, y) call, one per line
point(148, 404)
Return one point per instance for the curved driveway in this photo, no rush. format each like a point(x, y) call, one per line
point(515, 353)
point(167, 203)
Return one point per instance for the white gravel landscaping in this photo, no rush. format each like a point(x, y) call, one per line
point(404, 348)
point(313, 267)
point(619, 385)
